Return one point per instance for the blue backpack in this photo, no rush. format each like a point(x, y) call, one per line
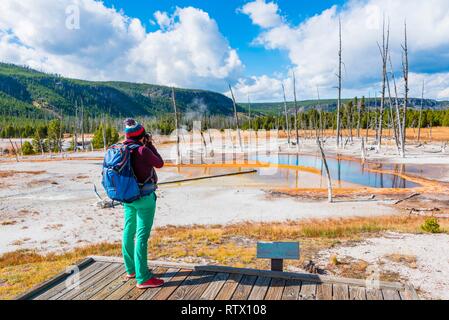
point(119, 180)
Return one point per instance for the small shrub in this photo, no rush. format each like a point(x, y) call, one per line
point(431, 225)
point(110, 135)
point(27, 148)
point(334, 260)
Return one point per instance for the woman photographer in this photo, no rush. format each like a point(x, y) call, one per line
point(139, 215)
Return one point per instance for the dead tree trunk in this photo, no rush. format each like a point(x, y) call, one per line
point(359, 116)
point(339, 85)
point(376, 118)
point(393, 121)
point(104, 134)
point(14, 150)
point(320, 112)
point(398, 113)
point(236, 117)
point(250, 142)
point(349, 110)
point(384, 55)
point(405, 69)
point(363, 151)
point(75, 143)
point(178, 153)
point(329, 180)
point(82, 125)
point(296, 112)
point(287, 125)
point(368, 114)
point(249, 113)
point(61, 134)
point(420, 112)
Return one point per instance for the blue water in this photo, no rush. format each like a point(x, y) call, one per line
point(346, 170)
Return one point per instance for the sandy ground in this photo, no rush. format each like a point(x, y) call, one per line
point(54, 210)
point(425, 259)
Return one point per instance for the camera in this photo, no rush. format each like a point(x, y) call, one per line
point(147, 138)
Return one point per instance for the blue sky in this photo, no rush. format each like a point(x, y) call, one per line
point(254, 45)
point(235, 26)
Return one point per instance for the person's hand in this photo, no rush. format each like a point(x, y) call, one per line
point(148, 139)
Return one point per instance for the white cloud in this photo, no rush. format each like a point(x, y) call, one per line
point(261, 88)
point(162, 19)
point(263, 14)
point(312, 45)
point(192, 51)
point(187, 51)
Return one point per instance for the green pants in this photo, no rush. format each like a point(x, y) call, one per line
point(139, 217)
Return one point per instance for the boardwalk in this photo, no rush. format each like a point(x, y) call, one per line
point(102, 278)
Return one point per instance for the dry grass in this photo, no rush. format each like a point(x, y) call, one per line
point(8, 223)
point(437, 134)
point(7, 174)
point(407, 260)
point(41, 182)
point(233, 245)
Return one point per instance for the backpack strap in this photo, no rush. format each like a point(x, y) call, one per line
point(133, 146)
point(149, 179)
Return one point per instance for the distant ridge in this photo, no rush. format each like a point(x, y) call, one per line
point(331, 105)
point(24, 91)
point(31, 93)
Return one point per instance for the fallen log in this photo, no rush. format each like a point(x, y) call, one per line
point(423, 209)
point(407, 198)
point(208, 177)
point(107, 203)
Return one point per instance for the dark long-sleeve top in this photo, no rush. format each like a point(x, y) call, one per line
point(143, 160)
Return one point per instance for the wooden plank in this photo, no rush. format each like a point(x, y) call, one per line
point(135, 292)
point(54, 281)
point(373, 294)
point(357, 293)
point(324, 291)
point(292, 289)
point(126, 287)
point(212, 290)
point(244, 288)
point(341, 291)
point(300, 276)
point(197, 290)
point(278, 250)
point(260, 288)
point(308, 291)
point(229, 287)
point(406, 295)
point(276, 289)
point(183, 290)
point(390, 294)
point(151, 263)
point(72, 293)
point(167, 276)
point(409, 293)
point(110, 288)
point(174, 283)
point(84, 274)
point(99, 285)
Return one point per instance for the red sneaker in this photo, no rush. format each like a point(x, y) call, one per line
point(130, 276)
point(152, 283)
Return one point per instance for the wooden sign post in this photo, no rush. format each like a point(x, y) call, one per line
point(278, 252)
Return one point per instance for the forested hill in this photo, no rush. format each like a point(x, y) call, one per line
point(275, 108)
point(27, 92)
